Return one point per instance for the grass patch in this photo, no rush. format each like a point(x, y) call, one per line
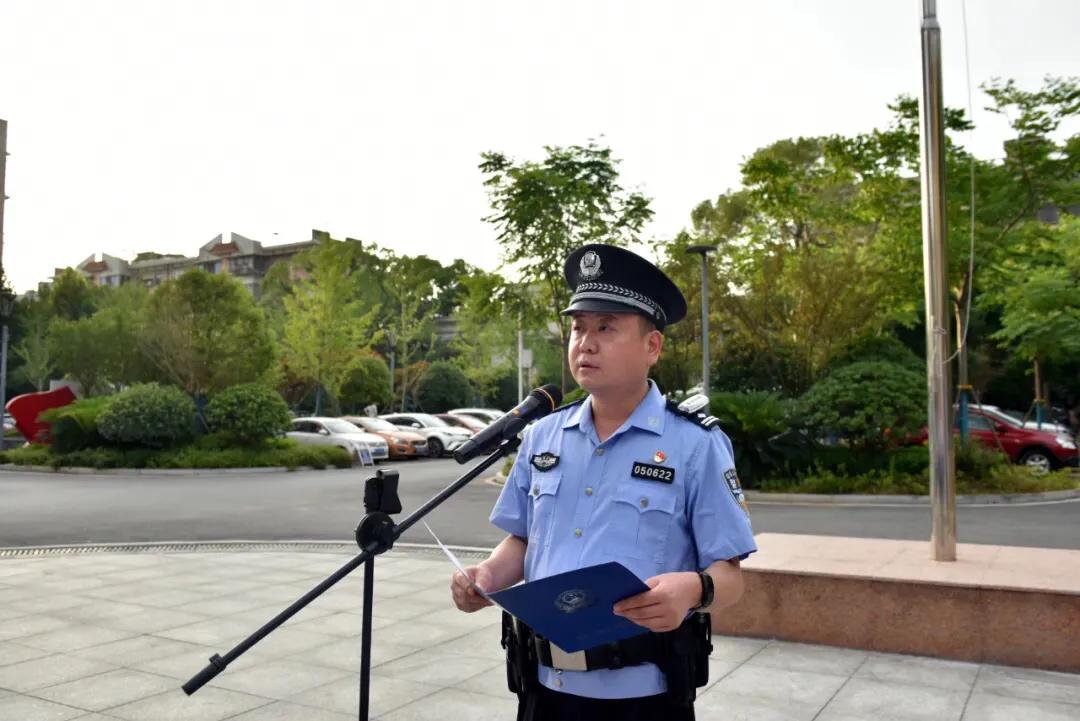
point(206, 452)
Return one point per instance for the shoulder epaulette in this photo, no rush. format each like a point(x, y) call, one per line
point(692, 410)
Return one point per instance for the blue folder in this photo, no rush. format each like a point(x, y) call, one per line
point(574, 610)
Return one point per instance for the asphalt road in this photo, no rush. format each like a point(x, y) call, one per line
point(55, 509)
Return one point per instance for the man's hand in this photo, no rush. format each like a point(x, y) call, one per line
point(665, 605)
point(465, 596)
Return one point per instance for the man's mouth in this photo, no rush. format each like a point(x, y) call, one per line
point(586, 365)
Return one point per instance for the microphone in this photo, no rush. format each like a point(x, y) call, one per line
point(536, 405)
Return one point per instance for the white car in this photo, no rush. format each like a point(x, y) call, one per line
point(442, 438)
point(487, 415)
point(320, 431)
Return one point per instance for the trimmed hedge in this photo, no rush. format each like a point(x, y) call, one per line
point(75, 426)
point(148, 414)
point(280, 452)
point(248, 413)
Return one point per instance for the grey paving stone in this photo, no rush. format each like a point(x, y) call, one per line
point(714, 706)
point(919, 671)
point(418, 633)
point(437, 668)
point(183, 666)
point(718, 671)
point(166, 598)
point(343, 695)
point(138, 649)
point(278, 679)
point(48, 604)
point(805, 657)
point(735, 648)
point(72, 584)
point(219, 606)
point(27, 708)
point(491, 682)
point(780, 685)
point(106, 690)
point(339, 625)
point(992, 707)
point(345, 654)
point(97, 610)
point(12, 652)
point(208, 704)
point(48, 671)
point(9, 612)
point(23, 626)
point(484, 643)
point(400, 609)
point(152, 620)
point(485, 618)
point(455, 704)
point(897, 702)
point(72, 638)
point(1030, 683)
point(281, 711)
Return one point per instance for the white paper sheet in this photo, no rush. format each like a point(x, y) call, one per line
point(457, 564)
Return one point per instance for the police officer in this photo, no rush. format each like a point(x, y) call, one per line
point(622, 476)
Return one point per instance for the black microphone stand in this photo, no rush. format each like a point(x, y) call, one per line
point(375, 534)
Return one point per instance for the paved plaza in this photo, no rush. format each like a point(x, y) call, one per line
point(109, 636)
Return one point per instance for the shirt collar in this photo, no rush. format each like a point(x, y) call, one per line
point(648, 416)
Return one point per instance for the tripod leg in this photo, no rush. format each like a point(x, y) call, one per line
point(365, 637)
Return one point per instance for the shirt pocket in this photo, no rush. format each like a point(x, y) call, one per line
point(544, 494)
point(642, 516)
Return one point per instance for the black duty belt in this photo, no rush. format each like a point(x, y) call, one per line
point(634, 651)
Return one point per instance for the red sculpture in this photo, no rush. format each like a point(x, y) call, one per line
point(26, 408)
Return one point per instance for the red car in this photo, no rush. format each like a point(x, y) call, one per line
point(1039, 450)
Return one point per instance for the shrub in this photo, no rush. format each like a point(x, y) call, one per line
point(148, 414)
point(756, 422)
point(870, 404)
point(443, 386)
point(75, 426)
point(368, 383)
point(248, 413)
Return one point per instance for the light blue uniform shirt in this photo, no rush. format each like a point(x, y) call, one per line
point(588, 509)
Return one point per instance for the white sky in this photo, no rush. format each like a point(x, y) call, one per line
point(146, 125)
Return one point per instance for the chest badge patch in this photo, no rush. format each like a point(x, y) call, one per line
point(659, 457)
point(649, 472)
point(544, 461)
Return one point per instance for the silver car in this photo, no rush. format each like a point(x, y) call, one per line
point(322, 431)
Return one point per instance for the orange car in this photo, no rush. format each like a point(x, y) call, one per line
point(403, 444)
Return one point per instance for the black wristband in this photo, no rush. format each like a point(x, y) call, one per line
point(708, 591)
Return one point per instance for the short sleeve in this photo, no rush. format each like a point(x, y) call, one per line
point(721, 527)
point(511, 512)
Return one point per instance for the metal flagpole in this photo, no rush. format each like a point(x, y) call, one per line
point(932, 132)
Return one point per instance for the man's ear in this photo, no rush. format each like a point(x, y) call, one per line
point(655, 346)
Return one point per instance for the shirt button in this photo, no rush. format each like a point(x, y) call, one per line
point(599, 451)
point(536, 490)
point(588, 491)
point(558, 682)
point(644, 502)
point(577, 532)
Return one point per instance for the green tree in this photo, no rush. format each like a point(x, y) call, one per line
point(326, 328)
point(84, 351)
point(34, 349)
point(70, 296)
point(442, 387)
point(543, 210)
point(367, 383)
point(486, 344)
point(1039, 297)
point(204, 333)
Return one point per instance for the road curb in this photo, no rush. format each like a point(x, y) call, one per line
point(819, 499)
point(159, 471)
point(291, 546)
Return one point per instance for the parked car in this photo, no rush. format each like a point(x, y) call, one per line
point(470, 423)
point(1039, 450)
point(487, 415)
point(403, 444)
point(1006, 416)
point(442, 438)
point(320, 431)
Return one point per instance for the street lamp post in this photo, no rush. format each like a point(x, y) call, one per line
point(7, 307)
point(704, 251)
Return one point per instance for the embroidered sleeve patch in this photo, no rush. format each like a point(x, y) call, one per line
point(732, 479)
point(649, 472)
